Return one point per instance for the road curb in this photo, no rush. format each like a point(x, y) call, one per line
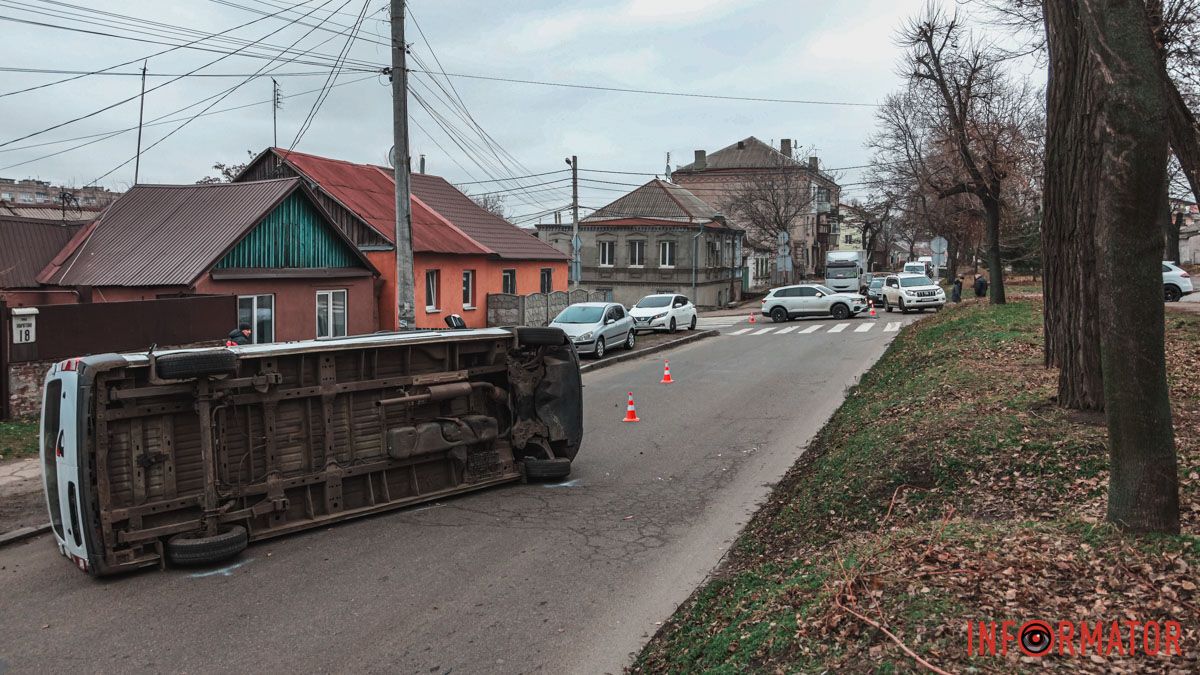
point(23, 533)
point(638, 353)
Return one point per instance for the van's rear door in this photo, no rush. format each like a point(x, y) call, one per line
point(60, 463)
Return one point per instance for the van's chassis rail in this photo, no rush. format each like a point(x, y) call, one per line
point(306, 439)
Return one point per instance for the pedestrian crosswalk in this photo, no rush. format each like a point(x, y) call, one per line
point(864, 327)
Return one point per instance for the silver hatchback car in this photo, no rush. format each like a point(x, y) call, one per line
point(596, 327)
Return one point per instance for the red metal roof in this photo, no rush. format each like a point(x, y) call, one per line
point(460, 227)
point(27, 245)
point(370, 192)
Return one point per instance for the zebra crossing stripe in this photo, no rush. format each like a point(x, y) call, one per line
point(787, 330)
point(839, 328)
point(740, 332)
point(862, 328)
point(892, 327)
point(810, 329)
point(762, 331)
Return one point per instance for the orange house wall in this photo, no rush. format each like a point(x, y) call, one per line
point(488, 279)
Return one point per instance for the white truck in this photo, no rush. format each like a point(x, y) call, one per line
point(844, 271)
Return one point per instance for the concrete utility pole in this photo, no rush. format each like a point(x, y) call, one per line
point(405, 312)
point(276, 104)
point(137, 160)
point(576, 267)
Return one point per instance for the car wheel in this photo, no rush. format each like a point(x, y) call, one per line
point(671, 328)
point(630, 340)
point(692, 325)
point(887, 306)
point(599, 351)
point(840, 312)
point(1172, 294)
point(779, 315)
point(903, 309)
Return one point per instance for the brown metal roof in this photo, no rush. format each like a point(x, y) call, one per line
point(507, 240)
point(657, 200)
point(49, 211)
point(29, 244)
point(748, 153)
point(165, 235)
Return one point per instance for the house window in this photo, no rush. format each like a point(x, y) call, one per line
point(637, 253)
point(508, 282)
point(331, 314)
point(432, 282)
point(666, 254)
point(468, 289)
point(259, 312)
point(849, 239)
point(714, 254)
point(547, 279)
point(608, 253)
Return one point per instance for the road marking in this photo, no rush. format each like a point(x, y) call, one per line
point(862, 328)
point(892, 327)
point(764, 330)
point(787, 330)
point(839, 328)
point(739, 332)
point(810, 329)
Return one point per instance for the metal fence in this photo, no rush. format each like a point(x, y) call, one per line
point(535, 309)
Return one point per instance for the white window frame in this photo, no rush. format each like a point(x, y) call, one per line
point(436, 276)
point(544, 274)
point(663, 248)
point(640, 246)
point(255, 337)
point(504, 274)
point(468, 289)
point(609, 247)
point(325, 302)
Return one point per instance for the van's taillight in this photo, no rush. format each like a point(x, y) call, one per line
point(69, 365)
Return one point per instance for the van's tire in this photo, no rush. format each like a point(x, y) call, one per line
point(540, 469)
point(540, 337)
point(840, 312)
point(189, 549)
point(188, 365)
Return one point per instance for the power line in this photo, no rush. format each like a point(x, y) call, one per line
point(627, 90)
point(332, 78)
point(532, 175)
point(138, 73)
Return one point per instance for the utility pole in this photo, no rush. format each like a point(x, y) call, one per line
point(276, 104)
point(137, 160)
point(576, 268)
point(405, 312)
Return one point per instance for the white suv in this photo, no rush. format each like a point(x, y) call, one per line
point(789, 302)
point(912, 291)
point(1176, 282)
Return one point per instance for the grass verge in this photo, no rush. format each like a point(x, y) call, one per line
point(18, 439)
point(948, 488)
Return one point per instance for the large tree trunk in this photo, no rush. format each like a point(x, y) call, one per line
point(1131, 109)
point(991, 224)
point(1070, 195)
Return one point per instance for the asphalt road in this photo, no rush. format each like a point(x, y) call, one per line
point(566, 578)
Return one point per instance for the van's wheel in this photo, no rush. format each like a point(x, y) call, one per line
point(537, 468)
point(528, 336)
point(189, 549)
point(840, 311)
point(779, 315)
point(188, 365)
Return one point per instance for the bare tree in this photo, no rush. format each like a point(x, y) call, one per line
point(490, 202)
point(771, 203)
point(226, 172)
point(1108, 128)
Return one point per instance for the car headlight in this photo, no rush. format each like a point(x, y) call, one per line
point(910, 293)
point(659, 316)
point(584, 338)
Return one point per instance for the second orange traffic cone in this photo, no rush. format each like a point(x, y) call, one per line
point(630, 412)
point(752, 319)
point(666, 374)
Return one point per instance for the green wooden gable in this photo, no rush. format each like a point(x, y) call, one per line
point(294, 235)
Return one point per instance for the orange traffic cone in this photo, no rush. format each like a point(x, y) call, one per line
point(630, 412)
point(752, 319)
point(873, 316)
point(666, 374)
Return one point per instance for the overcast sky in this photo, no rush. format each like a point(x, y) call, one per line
point(788, 49)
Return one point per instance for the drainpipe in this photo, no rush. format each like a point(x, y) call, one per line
point(695, 258)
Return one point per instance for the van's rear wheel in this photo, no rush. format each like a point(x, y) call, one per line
point(187, 365)
point(537, 468)
point(189, 549)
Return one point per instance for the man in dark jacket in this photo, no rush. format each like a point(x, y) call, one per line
point(981, 286)
point(239, 336)
point(956, 294)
